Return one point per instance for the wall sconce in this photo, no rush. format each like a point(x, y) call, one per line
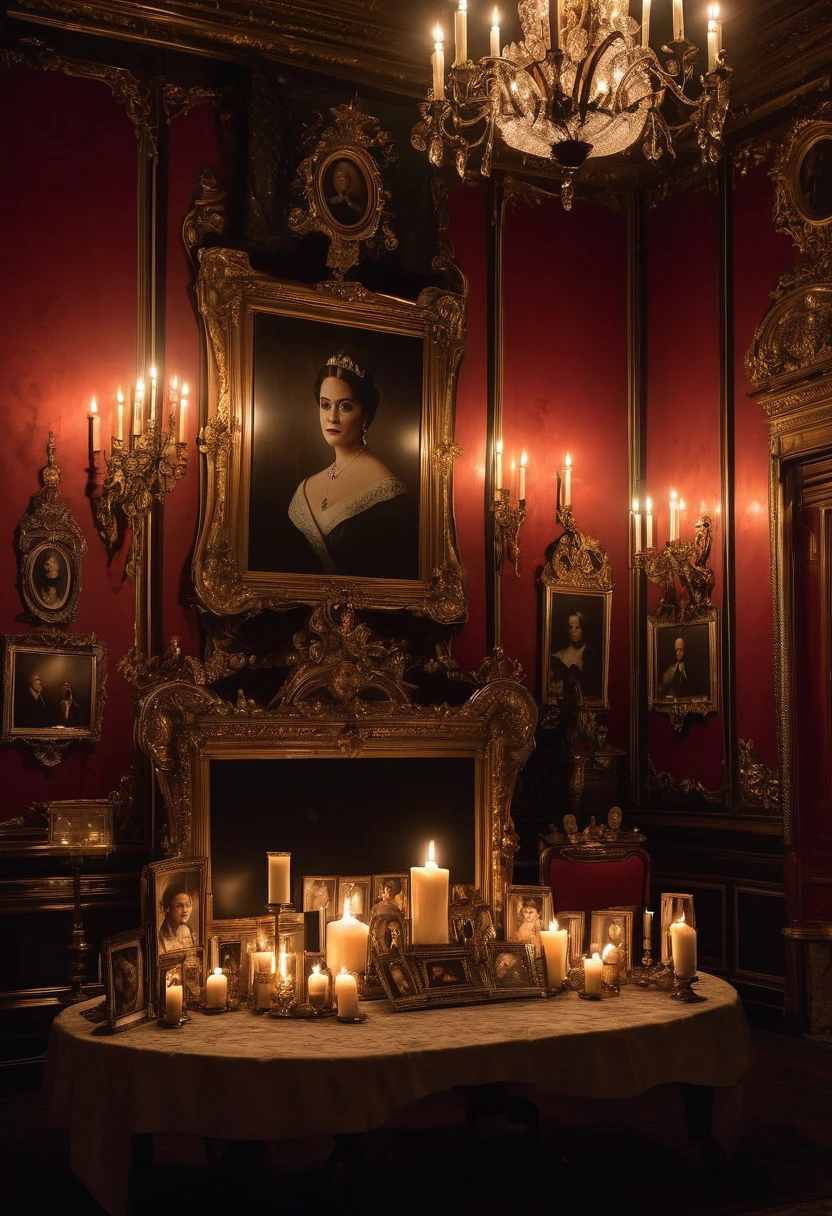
point(145, 467)
point(508, 520)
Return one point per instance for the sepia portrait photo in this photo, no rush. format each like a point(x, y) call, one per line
point(347, 195)
point(124, 970)
point(175, 895)
point(49, 572)
point(527, 911)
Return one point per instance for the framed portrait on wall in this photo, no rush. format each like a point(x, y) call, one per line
point(683, 667)
point(330, 424)
point(575, 644)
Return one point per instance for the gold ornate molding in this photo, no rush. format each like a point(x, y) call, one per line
point(576, 560)
point(759, 786)
point(688, 565)
point(684, 791)
point(48, 533)
point(206, 216)
point(143, 673)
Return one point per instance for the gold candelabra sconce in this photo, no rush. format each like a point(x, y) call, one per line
point(142, 468)
point(508, 519)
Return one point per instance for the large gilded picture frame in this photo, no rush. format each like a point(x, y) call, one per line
point(263, 542)
point(683, 667)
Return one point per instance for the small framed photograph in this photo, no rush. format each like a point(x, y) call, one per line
point(388, 930)
point(398, 979)
point(527, 911)
point(575, 925)
point(445, 970)
point(355, 888)
point(185, 967)
point(683, 667)
point(53, 691)
point(346, 191)
point(675, 905)
point(50, 547)
point(125, 970)
point(511, 965)
point(613, 927)
point(174, 899)
point(391, 889)
point(319, 891)
point(576, 643)
point(235, 938)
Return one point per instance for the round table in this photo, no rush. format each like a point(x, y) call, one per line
point(242, 1077)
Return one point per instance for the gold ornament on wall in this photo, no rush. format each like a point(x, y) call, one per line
point(50, 546)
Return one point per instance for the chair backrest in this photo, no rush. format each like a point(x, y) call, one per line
point(587, 879)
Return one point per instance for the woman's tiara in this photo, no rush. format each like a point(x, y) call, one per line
point(346, 362)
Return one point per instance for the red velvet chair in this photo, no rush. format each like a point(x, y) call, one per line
point(584, 879)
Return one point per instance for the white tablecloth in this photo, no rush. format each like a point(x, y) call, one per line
point(243, 1077)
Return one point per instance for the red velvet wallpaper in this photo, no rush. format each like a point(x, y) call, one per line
point(193, 142)
point(760, 257)
point(68, 233)
point(566, 390)
point(469, 235)
point(683, 426)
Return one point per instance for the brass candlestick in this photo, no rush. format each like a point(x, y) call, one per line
point(508, 521)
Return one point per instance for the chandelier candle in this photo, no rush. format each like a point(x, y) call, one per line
point(120, 416)
point(636, 527)
point(346, 943)
point(524, 460)
point(567, 481)
point(593, 970)
point(649, 521)
point(95, 430)
point(183, 415)
point(429, 895)
point(279, 884)
point(678, 21)
point(683, 945)
point(216, 989)
point(153, 396)
point(494, 47)
point(498, 479)
point(138, 407)
point(346, 994)
point(461, 34)
point(437, 61)
point(645, 23)
point(555, 944)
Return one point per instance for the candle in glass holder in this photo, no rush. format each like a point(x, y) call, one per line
point(555, 946)
point(346, 994)
point(429, 901)
point(346, 943)
point(593, 970)
point(216, 989)
point(174, 999)
point(683, 945)
point(317, 987)
point(279, 880)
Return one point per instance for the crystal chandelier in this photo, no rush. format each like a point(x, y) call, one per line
point(584, 83)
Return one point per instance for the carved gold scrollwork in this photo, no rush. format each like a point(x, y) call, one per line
point(688, 565)
point(759, 786)
point(50, 544)
point(576, 560)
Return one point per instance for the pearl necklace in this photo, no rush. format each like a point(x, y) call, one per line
point(333, 474)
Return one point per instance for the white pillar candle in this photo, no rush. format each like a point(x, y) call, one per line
point(678, 21)
point(524, 460)
point(683, 946)
point(437, 61)
point(279, 881)
point(429, 901)
point(593, 970)
point(555, 947)
point(262, 960)
point(262, 992)
point(649, 521)
point(317, 987)
point(461, 33)
point(346, 994)
point(120, 416)
point(346, 943)
point(494, 47)
point(636, 527)
point(567, 481)
point(173, 1004)
point(645, 23)
point(216, 989)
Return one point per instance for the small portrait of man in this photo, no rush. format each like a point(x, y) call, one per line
point(126, 985)
point(576, 644)
point(179, 916)
point(448, 971)
point(683, 663)
point(30, 708)
point(50, 577)
point(345, 191)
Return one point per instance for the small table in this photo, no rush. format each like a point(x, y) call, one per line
point(242, 1077)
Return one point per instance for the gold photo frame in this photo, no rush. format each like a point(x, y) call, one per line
point(683, 678)
point(126, 973)
point(262, 543)
point(563, 639)
point(50, 546)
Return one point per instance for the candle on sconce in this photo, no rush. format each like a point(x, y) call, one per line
point(555, 944)
point(216, 989)
point(678, 21)
point(593, 970)
point(279, 878)
point(95, 430)
point(120, 416)
point(152, 416)
point(317, 987)
point(567, 480)
point(645, 23)
point(524, 460)
point(461, 34)
point(680, 518)
point(636, 527)
point(683, 947)
point(498, 478)
point(674, 517)
point(138, 408)
point(559, 23)
point(183, 415)
point(437, 61)
point(346, 994)
point(494, 47)
point(429, 901)
point(346, 942)
point(649, 522)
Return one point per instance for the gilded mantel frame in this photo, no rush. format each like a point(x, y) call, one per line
point(184, 727)
point(238, 567)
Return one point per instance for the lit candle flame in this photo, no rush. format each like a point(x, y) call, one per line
point(553, 926)
point(120, 397)
point(93, 407)
point(568, 461)
point(431, 852)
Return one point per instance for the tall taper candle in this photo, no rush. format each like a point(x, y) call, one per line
point(429, 901)
point(120, 416)
point(636, 527)
point(649, 520)
point(567, 481)
point(524, 460)
point(183, 415)
point(645, 23)
point(280, 889)
point(494, 47)
point(461, 34)
point(678, 21)
point(437, 60)
point(95, 430)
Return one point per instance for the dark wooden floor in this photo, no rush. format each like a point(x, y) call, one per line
point(596, 1157)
